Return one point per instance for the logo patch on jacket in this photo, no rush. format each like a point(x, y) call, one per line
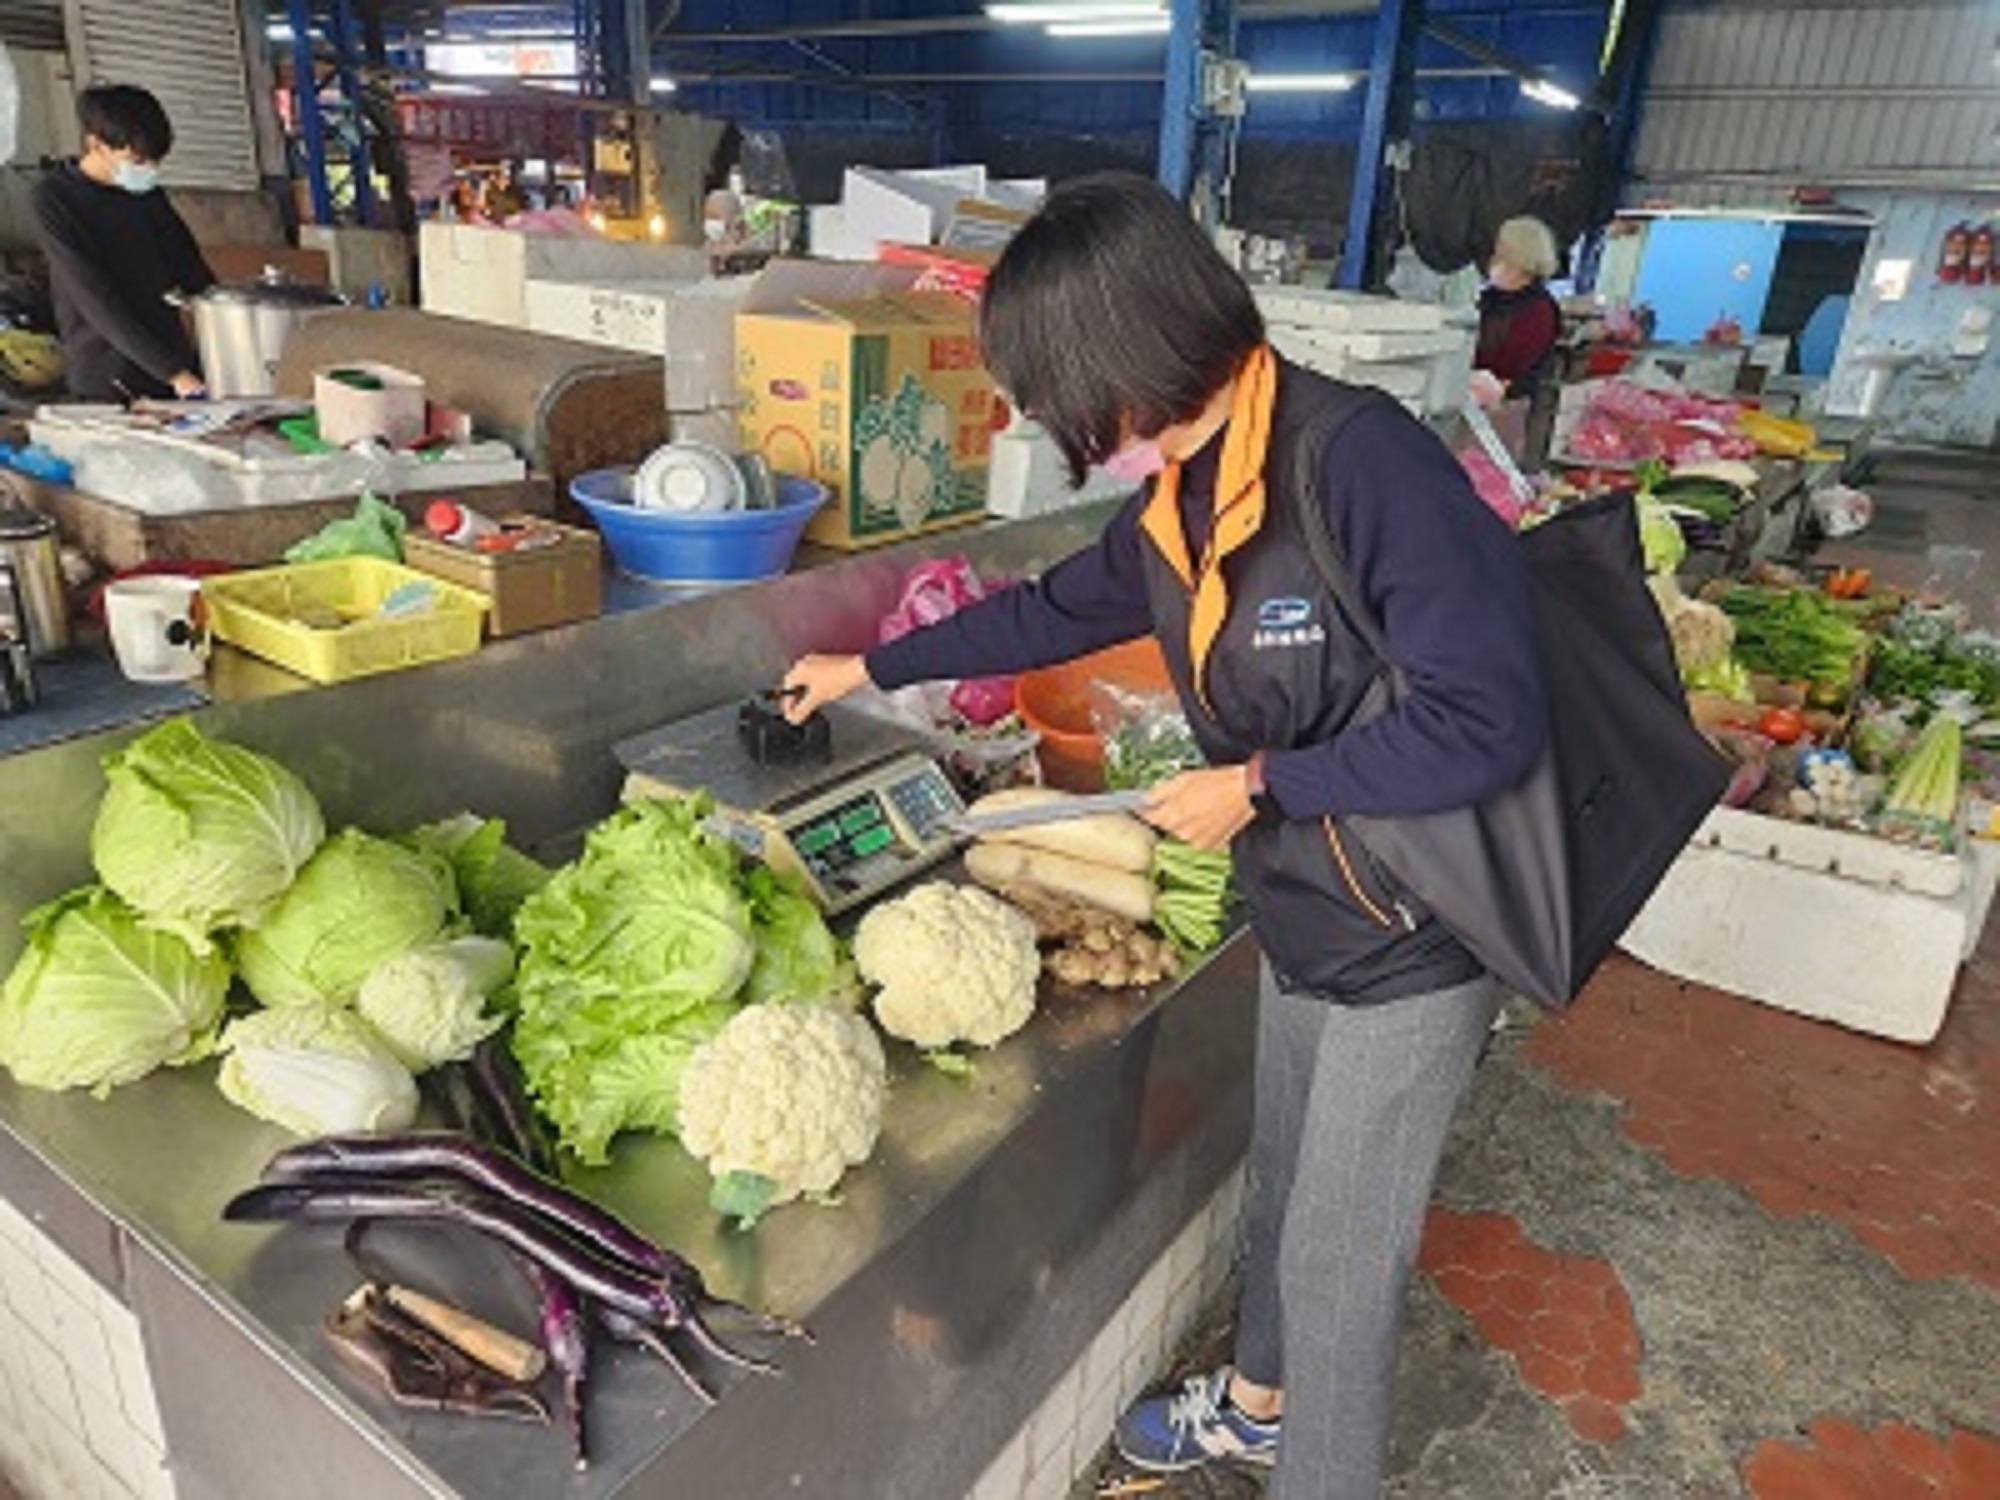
point(1283, 623)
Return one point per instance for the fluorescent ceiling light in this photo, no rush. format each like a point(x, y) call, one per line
point(278, 31)
point(661, 85)
point(1301, 83)
point(1075, 10)
point(1543, 92)
point(1151, 26)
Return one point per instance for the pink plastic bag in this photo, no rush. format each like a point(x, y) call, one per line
point(934, 591)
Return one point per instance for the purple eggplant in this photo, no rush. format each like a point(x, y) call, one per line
point(421, 1154)
point(566, 1335)
point(501, 1089)
point(660, 1305)
point(646, 1336)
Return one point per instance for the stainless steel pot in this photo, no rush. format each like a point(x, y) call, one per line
point(243, 328)
point(28, 547)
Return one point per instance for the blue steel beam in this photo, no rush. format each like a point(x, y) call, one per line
point(305, 110)
point(341, 33)
point(1179, 109)
point(1385, 117)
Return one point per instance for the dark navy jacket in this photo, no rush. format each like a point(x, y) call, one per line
point(1436, 568)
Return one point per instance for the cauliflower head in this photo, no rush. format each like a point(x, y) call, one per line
point(955, 963)
point(790, 1094)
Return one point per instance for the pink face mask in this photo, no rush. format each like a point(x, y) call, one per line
point(1136, 462)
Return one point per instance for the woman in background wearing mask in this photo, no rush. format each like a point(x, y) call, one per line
point(1112, 321)
point(116, 248)
point(1519, 321)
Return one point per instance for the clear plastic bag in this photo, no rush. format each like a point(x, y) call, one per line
point(1146, 736)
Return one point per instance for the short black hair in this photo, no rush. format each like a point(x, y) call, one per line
point(1110, 306)
point(122, 115)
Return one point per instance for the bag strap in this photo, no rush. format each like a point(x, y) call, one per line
point(1319, 539)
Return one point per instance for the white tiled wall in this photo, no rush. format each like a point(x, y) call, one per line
point(78, 1420)
point(1064, 1435)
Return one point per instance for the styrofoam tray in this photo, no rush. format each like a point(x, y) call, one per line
point(1350, 312)
point(159, 472)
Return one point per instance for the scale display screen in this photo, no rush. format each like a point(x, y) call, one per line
point(838, 843)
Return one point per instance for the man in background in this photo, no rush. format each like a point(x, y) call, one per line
point(116, 248)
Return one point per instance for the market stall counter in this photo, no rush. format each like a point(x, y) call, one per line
point(1000, 1275)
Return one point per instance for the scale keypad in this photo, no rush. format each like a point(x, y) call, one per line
point(923, 802)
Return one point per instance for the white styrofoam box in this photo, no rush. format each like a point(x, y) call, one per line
point(1840, 926)
point(479, 272)
point(1406, 382)
point(1347, 312)
point(628, 315)
point(944, 205)
point(1026, 476)
point(691, 324)
point(828, 237)
point(895, 206)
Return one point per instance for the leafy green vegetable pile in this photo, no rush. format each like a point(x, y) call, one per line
point(640, 951)
point(1796, 635)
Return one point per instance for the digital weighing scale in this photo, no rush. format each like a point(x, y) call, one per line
point(854, 811)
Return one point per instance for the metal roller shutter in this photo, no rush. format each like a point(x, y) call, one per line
point(189, 53)
point(36, 25)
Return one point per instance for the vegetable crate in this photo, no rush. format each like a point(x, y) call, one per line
point(1842, 926)
point(322, 619)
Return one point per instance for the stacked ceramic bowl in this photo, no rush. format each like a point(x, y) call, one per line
point(692, 514)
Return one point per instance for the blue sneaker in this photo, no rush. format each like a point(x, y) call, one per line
point(1194, 1426)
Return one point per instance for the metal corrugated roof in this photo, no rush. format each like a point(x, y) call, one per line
point(1845, 95)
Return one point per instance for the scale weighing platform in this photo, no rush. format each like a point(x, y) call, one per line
point(845, 804)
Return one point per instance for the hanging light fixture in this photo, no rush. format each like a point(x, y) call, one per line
point(1543, 92)
point(1301, 83)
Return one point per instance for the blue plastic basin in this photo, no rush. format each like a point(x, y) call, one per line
point(730, 546)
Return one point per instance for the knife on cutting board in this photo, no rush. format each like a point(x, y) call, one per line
point(1058, 811)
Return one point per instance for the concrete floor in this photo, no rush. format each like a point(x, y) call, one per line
point(1686, 1245)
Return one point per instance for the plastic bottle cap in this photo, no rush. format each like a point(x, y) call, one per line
point(443, 517)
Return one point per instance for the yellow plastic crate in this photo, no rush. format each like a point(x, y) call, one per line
point(275, 613)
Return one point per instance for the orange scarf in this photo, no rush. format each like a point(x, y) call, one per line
point(1239, 508)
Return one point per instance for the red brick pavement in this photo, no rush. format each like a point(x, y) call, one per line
point(1565, 1319)
point(1901, 1144)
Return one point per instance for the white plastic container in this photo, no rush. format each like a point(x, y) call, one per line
point(1841, 926)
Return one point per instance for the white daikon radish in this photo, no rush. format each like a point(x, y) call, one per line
point(1116, 840)
point(1119, 892)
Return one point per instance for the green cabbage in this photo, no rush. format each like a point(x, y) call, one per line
point(614, 1082)
point(98, 1000)
point(494, 877)
point(797, 955)
point(199, 835)
point(359, 901)
point(429, 1004)
point(646, 928)
point(316, 1071)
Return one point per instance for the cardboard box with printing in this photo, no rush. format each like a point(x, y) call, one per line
point(879, 396)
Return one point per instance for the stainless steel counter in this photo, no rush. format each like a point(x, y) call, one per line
point(999, 1223)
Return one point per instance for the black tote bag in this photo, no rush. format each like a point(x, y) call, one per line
point(1540, 881)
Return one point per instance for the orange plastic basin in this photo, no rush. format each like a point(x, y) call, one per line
point(1056, 701)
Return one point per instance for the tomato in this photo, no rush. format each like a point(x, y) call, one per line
point(1782, 726)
